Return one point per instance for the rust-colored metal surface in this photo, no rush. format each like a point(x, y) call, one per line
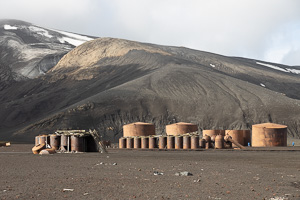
point(138, 129)
point(42, 139)
point(236, 135)
point(47, 151)
point(77, 143)
point(37, 140)
point(178, 142)
point(213, 132)
point(228, 138)
point(152, 143)
point(144, 142)
point(137, 143)
point(269, 135)
point(202, 143)
point(55, 141)
point(186, 142)
point(247, 137)
point(181, 128)
point(37, 148)
point(129, 142)
point(219, 142)
point(162, 140)
point(207, 141)
point(122, 143)
point(194, 142)
point(170, 142)
point(64, 140)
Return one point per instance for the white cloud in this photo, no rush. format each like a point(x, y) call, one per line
point(249, 28)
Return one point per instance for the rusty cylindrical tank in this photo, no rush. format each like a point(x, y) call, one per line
point(138, 129)
point(77, 143)
point(202, 143)
point(195, 142)
point(55, 141)
point(178, 142)
point(129, 142)
point(170, 142)
point(137, 143)
point(186, 142)
point(247, 137)
point(64, 140)
point(269, 135)
point(152, 142)
point(236, 135)
point(162, 142)
point(122, 143)
point(181, 128)
point(42, 139)
point(213, 132)
point(219, 142)
point(207, 141)
point(144, 142)
point(37, 140)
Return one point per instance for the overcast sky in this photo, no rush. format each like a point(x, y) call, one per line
point(261, 29)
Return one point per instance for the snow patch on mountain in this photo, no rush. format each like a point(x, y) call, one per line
point(286, 70)
point(72, 38)
point(40, 31)
point(9, 27)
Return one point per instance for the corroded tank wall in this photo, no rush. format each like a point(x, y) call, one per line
point(247, 137)
point(138, 129)
point(219, 142)
point(181, 128)
point(77, 143)
point(137, 143)
point(55, 141)
point(213, 132)
point(269, 135)
point(162, 142)
point(194, 142)
point(236, 135)
point(122, 143)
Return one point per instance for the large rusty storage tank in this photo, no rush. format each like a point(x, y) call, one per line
point(211, 133)
point(77, 143)
point(181, 128)
point(269, 135)
point(55, 141)
point(138, 129)
point(236, 135)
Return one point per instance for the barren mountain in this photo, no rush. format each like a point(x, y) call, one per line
point(106, 83)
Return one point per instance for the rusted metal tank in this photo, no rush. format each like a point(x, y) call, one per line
point(37, 140)
point(213, 132)
point(55, 141)
point(181, 128)
point(195, 142)
point(144, 142)
point(186, 142)
point(178, 142)
point(247, 137)
point(269, 135)
point(122, 143)
point(162, 142)
point(170, 142)
point(37, 148)
point(42, 139)
point(152, 142)
point(137, 143)
point(64, 142)
point(138, 129)
point(202, 143)
point(236, 135)
point(129, 142)
point(77, 143)
point(207, 141)
point(219, 142)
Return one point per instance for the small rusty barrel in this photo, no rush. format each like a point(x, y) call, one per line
point(37, 140)
point(207, 141)
point(170, 142)
point(152, 142)
point(202, 143)
point(122, 143)
point(194, 142)
point(144, 142)
point(64, 140)
point(219, 142)
point(186, 142)
point(77, 143)
point(129, 142)
point(178, 142)
point(137, 142)
point(162, 142)
point(42, 139)
point(54, 141)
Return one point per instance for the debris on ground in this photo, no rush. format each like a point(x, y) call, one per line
point(68, 190)
point(185, 173)
point(156, 173)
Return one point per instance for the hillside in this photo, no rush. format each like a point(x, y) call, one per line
point(106, 83)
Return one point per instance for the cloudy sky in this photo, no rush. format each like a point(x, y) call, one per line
point(261, 29)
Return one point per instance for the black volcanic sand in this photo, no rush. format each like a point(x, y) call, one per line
point(224, 174)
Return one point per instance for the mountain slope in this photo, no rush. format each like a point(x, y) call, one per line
point(106, 83)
